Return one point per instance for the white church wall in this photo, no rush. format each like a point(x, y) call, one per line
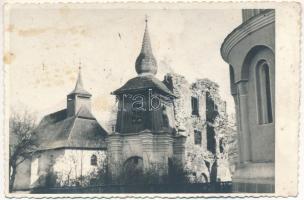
point(22, 179)
point(34, 171)
point(76, 163)
point(66, 166)
point(42, 164)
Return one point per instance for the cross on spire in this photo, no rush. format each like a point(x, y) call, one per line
point(79, 67)
point(146, 19)
point(79, 84)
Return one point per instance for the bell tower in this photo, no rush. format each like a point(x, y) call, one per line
point(78, 98)
point(145, 127)
point(144, 101)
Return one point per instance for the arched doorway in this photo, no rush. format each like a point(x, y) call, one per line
point(133, 170)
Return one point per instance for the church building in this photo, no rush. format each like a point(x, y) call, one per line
point(250, 52)
point(72, 144)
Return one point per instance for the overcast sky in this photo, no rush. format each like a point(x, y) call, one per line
point(46, 45)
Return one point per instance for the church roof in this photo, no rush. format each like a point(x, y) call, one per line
point(140, 83)
point(56, 130)
point(79, 89)
point(146, 62)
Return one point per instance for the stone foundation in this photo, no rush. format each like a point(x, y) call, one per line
point(254, 178)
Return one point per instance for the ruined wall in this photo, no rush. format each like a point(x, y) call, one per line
point(189, 122)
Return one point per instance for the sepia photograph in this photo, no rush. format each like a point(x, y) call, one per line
point(158, 99)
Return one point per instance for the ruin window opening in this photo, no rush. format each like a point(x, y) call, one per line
point(210, 108)
point(197, 137)
point(210, 139)
point(263, 93)
point(93, 160)
point(221, 145)
point(194, 105)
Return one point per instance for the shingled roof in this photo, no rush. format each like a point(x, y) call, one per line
point(56, 130)
point(143, 83)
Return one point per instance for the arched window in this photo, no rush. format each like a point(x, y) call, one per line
point(263, 93)
point(94, 160)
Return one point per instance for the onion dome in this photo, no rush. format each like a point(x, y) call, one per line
point(146, 63)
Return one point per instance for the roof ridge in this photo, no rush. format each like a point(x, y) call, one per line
point(70, 130)
point(84, 108)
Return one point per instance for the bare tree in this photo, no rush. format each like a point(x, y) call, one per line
point(22, 142)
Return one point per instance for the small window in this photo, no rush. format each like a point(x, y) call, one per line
point(197, 137)
point(194, 105)
point(94, 160)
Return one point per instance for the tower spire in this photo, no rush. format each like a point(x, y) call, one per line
point(79, 89)
point(79, 97)
point(146, 63)
point(79, 84)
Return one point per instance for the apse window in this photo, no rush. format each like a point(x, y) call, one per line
point(94, 160)
point(263, 93)
point(194, 105)
point(197, 137)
